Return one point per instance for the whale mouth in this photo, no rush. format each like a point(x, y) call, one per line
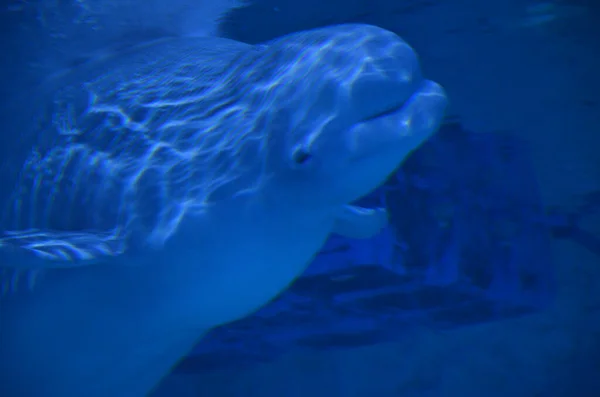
point(388, 111)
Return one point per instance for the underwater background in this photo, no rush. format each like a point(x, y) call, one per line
point(487, 281)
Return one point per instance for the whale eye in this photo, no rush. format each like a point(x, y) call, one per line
point(301, 156)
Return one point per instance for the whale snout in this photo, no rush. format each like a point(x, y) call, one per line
point(403, 127)
point(393, 105)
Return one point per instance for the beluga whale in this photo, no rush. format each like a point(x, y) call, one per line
point(154, 194)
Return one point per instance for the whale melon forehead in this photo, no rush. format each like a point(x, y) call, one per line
point(346, 68)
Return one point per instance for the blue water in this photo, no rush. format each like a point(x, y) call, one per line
point(486, 282)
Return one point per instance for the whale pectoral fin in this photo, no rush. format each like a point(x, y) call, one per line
point(33, 249)
point(358, 222)
point(25, 253)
